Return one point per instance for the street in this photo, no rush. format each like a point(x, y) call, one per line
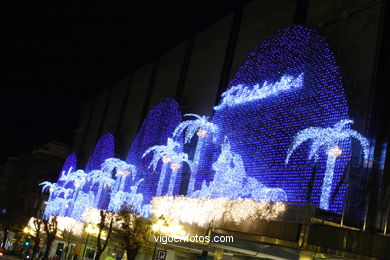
point(8, 257)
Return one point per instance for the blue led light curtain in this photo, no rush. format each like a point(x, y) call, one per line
point(155, 130)
point(262, 130)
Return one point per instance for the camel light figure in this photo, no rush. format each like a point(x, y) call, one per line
point(203, 128)
point(167, 154)
point(328, 138)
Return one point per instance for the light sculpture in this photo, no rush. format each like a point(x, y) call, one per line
point(240, 94)
point(69, 165)
point(203, 128)
point(46, 185)
point(104, 180)
point(155, 129)
point(328, 139)
point(104, 149)
point(167, 154)
point(229, 179)
point(132, 198)
point(304, 89)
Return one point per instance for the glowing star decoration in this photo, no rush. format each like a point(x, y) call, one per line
point(167, 154)
point(228, 181)
point(203, 128)
point(215, 210)
point(328, 139)
point(239, 94)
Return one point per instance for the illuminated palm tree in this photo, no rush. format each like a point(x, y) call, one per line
point(51, 186)
point(328, 138)
point(167, 154)
point(203, 128)
point(79, 178)
point(123, 169)
point(104, 180)
point(61, 190)
point(176, 163)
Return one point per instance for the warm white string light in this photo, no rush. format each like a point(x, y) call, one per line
point(203, 211)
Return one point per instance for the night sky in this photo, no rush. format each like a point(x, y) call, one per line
point(59, 54)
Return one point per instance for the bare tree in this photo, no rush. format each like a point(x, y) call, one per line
point(37, 226)
point(106, 223)
point(51, 226)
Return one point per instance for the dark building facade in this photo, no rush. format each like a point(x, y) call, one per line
point(21, 196)
point(196, 72)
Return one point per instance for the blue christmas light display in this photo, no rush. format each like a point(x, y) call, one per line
point(156, 128)
point(283, 107)
point(203, 128)
point(169, 154)
point(104, 149)
point(240, 94)
point(303, 89)
point(69, 165)
point(229, 181)
point(328, 138)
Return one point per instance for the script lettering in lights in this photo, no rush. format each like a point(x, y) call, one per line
point(239, 94)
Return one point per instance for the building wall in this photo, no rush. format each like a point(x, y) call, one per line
point(92, 132)
point(167, 78)
point(350, 27)
point(115, 104)
point(132, 115)
point(80, 131)
point(259, 20)
point(204, 72)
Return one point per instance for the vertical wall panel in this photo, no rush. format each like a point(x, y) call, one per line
point(94, 124)
point(168, 74)
point(260, 20)
point(349, 38)
point(135, 104)
point(79, 132)
point(201, 85)
point(114, 106)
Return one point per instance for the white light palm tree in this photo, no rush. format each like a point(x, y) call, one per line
point(104, 181)
point(328, 138)
point(51, 186)
point(61, 190)
point(123, 169)
point(167, 154)
point(203, 128)
point(176, 163)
